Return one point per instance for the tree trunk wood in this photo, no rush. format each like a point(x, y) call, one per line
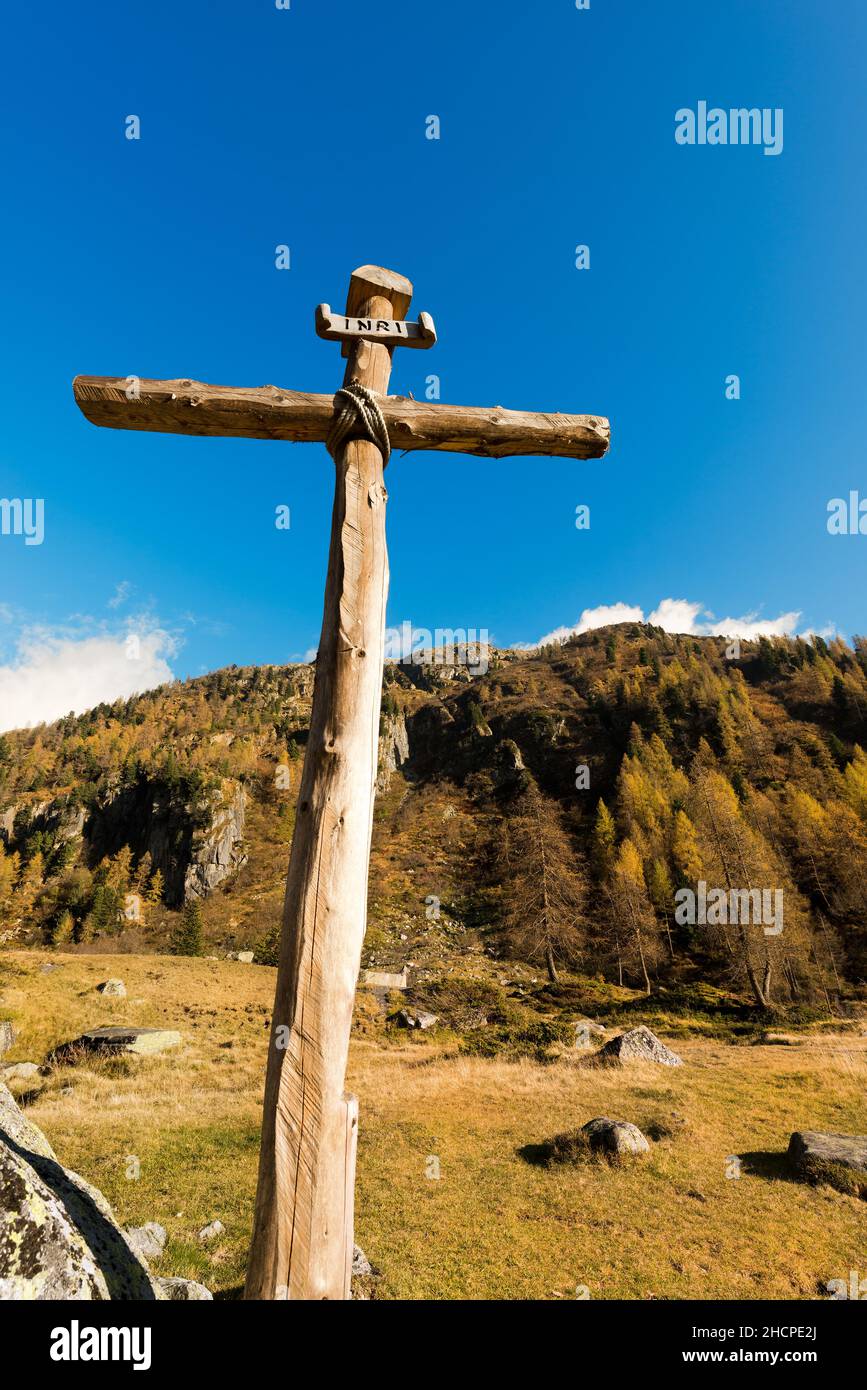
point(268, 412)
point(302, 1236)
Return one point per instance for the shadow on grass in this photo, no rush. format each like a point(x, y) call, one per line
point(851, 1182)
point(29, 1097)
point(775, 1165)
point(537, 1155)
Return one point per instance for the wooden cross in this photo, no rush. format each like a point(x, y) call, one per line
point(303, 1229)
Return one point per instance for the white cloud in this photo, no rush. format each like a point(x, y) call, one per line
point(54, 672)
point(676, 615)
point(590, 618)
point(121, 594)
point(682, 616)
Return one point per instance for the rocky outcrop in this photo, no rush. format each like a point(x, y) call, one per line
point(217, 850)
point(58, 1236)
point(62, 818)
point(194, 840)
point(7, 1035)
point(393, 748)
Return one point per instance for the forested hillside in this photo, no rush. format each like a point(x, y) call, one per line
point(548, 811)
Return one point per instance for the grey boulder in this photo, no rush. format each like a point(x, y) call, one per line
point(148, 1240)
point(58, 1235)
point(21, 1071)
point(810, 1150)
point(113, 989)
point(185, 1291)
point(638, 1045)
point(421, 1021)
point(211, 1231)
point(587, 1033)
point(614, 1136)
point(141, 1041)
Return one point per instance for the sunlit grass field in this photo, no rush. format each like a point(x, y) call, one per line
point(453, 1199)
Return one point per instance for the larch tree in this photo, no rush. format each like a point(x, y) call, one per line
point(685, 850)
point(739, 860)
point(633, 928)
point(543, 884)
point(604, 841)
point(661, 892)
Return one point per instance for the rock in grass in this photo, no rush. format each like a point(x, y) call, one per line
point(211, 1231)
point(638, 1045)
point(614, 1136)
point(185, 1291)
point(17, 1130)
point(58, 1236)
point(21, 1071)
point(113, 1040)
point(837, 1159)
point(406, 1019)
point(7, 1035)
point(365, 1276)
point(114, 989)
point(587, 1033)
point(148, 1240)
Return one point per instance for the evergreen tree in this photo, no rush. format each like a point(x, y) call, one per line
point(268, 953)
point(187, 936)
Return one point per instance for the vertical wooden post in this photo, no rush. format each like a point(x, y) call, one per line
point(302, 1236)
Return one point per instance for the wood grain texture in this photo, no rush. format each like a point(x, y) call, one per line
point(390, 332)
point(302, 1235)
point(269, 412)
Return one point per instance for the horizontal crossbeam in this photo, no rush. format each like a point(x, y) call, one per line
point(269, 412)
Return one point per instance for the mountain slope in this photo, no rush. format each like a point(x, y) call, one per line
point(738, 766)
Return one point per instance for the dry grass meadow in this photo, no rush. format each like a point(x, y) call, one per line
point(496, 1223)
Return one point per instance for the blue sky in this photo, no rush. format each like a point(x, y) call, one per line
point(262, 127)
